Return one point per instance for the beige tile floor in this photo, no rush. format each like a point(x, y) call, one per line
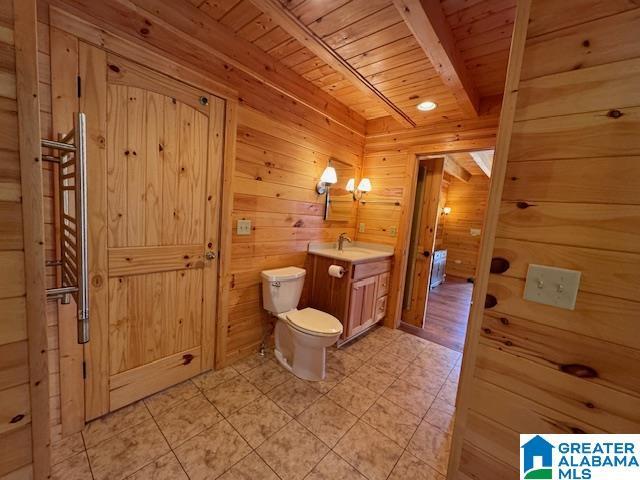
point(384, 411)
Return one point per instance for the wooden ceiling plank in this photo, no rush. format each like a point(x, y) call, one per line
point(287, 20)
point(375, 40)
point(428, 24)
point(452, 167)
point(363, 28)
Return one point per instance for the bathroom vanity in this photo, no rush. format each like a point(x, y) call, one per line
point(359, 298)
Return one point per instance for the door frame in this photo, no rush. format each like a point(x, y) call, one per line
point(430, 215)
point(110, 41)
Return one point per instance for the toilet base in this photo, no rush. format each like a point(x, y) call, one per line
point(302, 354)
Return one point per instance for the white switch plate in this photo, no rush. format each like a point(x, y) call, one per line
point(244, 227)
point(475, 232)
point(393, 231)
point(361, 228)
point(552, 286)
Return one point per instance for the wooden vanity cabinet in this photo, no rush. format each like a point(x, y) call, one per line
point(358, 299)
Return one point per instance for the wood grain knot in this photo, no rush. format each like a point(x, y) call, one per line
point(188, 358)
point(144, 31)
point(522, 205)
point(17, 418)
point(490, 301)
point(298, 224)
point(614, 113)
point(580, 371)
point(499, 265)
point(114, 68)
point(577, 431)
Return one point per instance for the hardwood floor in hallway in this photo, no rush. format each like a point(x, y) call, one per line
point(447, 314)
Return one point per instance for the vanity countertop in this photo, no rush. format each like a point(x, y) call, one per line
point(355, 252)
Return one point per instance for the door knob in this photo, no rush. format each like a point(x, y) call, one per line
point(210, 255)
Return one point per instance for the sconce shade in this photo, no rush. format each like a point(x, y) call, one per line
point(351, 185)
point(364, 185)
point(329, 175)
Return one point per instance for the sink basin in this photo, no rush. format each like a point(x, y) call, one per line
point(352, 253)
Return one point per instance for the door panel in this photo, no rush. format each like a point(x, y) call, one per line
point(162, 183)
point(414, 313)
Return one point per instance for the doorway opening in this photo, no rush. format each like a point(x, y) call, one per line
point(452, 190)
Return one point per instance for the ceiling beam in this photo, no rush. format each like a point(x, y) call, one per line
point(292, 25)
point(429, 26)
point(452, 168)
point(484, 160)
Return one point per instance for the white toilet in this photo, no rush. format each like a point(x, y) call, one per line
point(301, 335)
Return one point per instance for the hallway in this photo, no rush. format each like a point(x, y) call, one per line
point(447, 314)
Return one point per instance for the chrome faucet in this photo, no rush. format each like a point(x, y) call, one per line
point(341, 239)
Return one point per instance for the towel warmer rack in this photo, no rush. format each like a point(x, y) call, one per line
point(71, 163)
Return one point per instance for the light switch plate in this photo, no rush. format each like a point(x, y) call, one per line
point(361, 228)
point(393, 231)
point(244, 227)
point(552, 286)
point(475, 232)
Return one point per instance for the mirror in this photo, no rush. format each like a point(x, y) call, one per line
point(341, 204)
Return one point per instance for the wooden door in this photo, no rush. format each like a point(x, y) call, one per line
point(414, 312)
point(153, 229)
point(362, 305)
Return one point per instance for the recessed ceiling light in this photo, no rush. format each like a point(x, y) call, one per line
point(426, 106)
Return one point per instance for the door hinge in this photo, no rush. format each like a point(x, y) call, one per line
point(79, 82)
point(84, 369)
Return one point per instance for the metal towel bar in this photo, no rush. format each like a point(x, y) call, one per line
point(72, 191)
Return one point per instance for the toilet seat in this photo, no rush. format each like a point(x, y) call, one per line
point(314, 322)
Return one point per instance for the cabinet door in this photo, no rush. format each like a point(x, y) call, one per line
point(381, 308)
point(383, 284)
point(362, 305)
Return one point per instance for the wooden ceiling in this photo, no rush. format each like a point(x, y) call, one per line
point(371, 60)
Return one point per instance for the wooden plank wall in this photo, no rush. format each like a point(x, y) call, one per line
point(19, 402)
point(15, 438)
point(468, 202)
point(277, 168)
point(387, 163)
point(571, 199)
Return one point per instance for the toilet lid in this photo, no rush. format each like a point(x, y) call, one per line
point(315, 322)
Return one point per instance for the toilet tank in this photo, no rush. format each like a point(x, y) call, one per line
point(281, 288)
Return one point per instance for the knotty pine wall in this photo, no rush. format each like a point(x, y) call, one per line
point(468, 202)
point(20, 447)
point(571, 199)
point(277, 168)
point(15, 438)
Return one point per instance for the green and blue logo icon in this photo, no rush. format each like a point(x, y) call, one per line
point(537, 459)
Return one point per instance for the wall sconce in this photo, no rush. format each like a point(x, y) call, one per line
point(363, 187)
point(446, 210)
point(328, 178)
